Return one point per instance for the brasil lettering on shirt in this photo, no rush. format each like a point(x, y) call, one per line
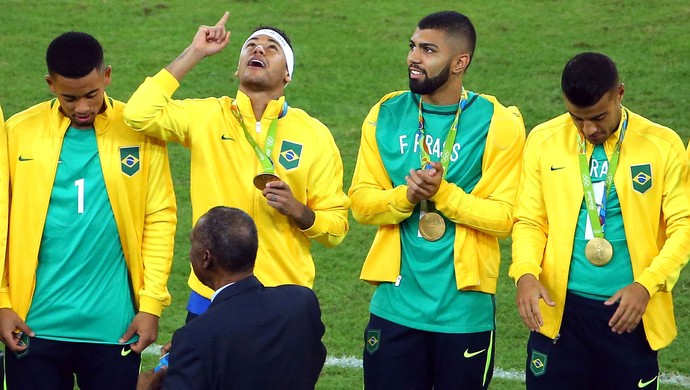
point(435, 146)
point(598, 170)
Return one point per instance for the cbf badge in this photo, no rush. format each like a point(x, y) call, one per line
point(373, 340)
point(538, 363)
point(641, 177)
point(129, 160)
point(289, 155)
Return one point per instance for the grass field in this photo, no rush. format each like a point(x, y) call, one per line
point(348, 54)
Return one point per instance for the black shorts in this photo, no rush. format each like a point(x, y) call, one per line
point(588, 354)
point(398, 357)
point(53, 365)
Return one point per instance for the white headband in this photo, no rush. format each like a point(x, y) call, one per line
point(289, 56)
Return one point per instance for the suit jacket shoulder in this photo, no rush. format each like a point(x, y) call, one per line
point(251, 337)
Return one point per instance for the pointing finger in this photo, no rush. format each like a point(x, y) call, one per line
point(223, 19)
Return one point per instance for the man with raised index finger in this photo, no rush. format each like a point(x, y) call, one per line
point(253, 152)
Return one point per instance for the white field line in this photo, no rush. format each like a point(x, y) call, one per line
point(353, 362)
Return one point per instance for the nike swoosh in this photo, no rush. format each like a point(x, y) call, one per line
point(556, 168)
point(22, 158)
point(226, 138)
point(370, 123)
point(469, 354)
point(641, 384)
point(125, 351)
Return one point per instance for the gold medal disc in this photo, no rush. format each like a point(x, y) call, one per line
point(261, 179)
point(432, 226)
point(598, 251)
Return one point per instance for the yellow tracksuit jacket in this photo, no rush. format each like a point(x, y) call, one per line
point(143, 203)
point(224, 164)
point(481, 216)
point(4, 193)
point(656, 217)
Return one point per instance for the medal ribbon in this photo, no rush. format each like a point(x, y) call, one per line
point(263, 155)
point(598, 220)
point(424, 154)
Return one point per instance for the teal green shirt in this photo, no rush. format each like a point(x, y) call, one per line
point(82, 289)
point(586, 279)
point(426, 296)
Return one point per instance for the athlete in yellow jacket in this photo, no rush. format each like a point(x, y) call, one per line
point(4, 194)
point(91, 231)
point(306, 203)
point(143, 204)
point(646, 219)
point(436, 151)
point(481, 215)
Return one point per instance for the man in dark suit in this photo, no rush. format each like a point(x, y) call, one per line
point(252, 337)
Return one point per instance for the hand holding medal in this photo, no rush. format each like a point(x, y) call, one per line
point(268, 174)
point(261, 179)
point(422, 185)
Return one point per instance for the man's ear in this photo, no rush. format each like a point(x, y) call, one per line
point(106, 75)
point(621, 92)
point(50, 84)
point(460, 63)
point(208, 259)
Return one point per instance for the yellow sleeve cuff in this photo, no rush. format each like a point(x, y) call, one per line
point(166, 81)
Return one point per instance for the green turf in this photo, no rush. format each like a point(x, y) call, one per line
point(348, 54)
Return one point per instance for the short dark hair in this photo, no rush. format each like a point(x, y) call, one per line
point(74, 55)
point(229, 234)
point(454, 24)
point(587, 77)
point(276, 29)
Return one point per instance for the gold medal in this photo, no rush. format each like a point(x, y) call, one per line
point(432, 226)
point(598, 251)
point(261, 179)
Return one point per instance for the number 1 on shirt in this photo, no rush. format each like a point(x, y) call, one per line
point(80, 195)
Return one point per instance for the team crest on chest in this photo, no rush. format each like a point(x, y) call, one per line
point(290, 155)
point(641, 177)
point(129, 160)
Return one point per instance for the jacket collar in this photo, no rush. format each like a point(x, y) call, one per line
point(272, 111)
point(60, 122)
point(237, 288)
point(610, 143)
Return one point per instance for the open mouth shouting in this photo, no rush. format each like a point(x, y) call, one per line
point(256, 63)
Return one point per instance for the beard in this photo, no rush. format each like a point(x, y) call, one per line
point(430, 84)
